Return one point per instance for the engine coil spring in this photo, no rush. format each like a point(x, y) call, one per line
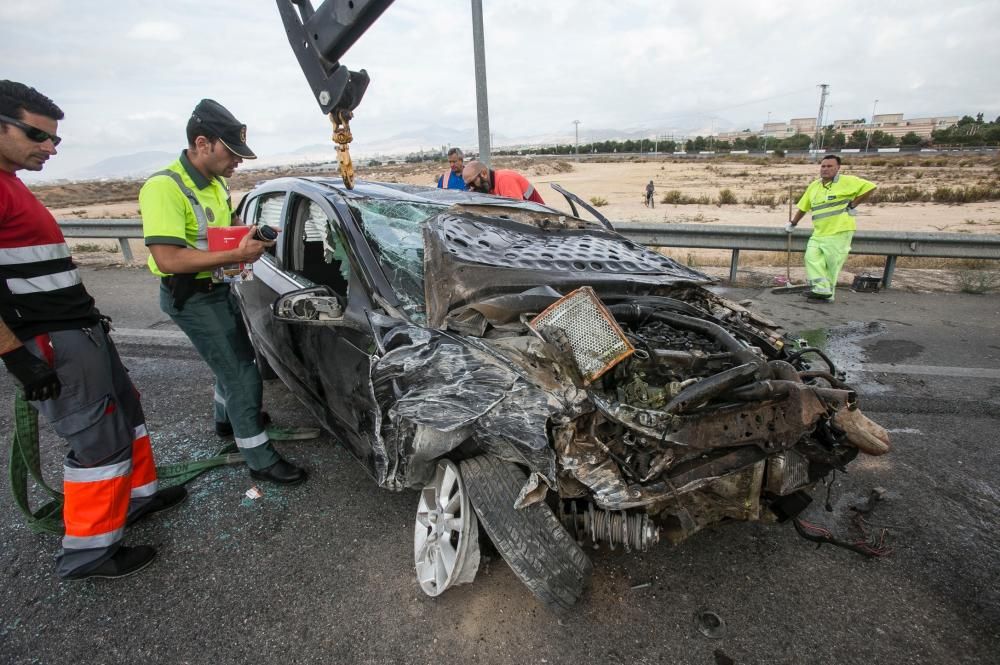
point(634, 531)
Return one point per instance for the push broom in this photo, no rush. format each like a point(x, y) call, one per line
point(788, 287)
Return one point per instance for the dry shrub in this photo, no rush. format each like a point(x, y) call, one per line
point(897, 194)
point(978, 281)
point(762, 199)
point(598, 201)
point(675, 197)
point(726, 197)
point(969, 194)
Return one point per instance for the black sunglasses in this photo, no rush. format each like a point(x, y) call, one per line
point(33, 133)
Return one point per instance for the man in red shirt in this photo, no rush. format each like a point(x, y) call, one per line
point(54, 341)
point(480, 178)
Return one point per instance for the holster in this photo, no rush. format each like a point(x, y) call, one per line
point(181, 286)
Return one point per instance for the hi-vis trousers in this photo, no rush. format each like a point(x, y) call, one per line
point(109, 473)
point(825, 256)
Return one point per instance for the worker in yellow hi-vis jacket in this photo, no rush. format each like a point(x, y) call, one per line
point(833, 199)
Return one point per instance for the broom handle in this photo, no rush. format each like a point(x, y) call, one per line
point(788, 254)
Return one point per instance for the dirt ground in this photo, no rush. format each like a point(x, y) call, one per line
point(760, 187)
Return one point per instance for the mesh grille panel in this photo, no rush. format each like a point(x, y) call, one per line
point(597, 342)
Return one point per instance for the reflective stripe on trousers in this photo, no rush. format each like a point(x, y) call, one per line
point(96, 504)
point(100, 416)
point(144, 483)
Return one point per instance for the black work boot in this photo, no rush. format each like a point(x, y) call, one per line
point(281, 472)
point(126, 561)
point(165, 499)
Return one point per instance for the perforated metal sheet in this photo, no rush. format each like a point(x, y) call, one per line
point(597, 342)
point(569, 251)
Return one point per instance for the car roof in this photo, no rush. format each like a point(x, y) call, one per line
point(392, 191)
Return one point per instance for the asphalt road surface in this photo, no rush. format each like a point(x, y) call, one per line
point(323, 572)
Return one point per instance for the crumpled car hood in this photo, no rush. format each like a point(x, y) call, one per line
point(469, 257)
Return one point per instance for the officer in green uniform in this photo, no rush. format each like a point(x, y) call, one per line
point(178, 205)
point(832, 199)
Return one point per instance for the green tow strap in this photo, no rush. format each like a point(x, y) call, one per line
point(25, 459)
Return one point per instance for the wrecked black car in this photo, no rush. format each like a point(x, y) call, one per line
point(537, 371)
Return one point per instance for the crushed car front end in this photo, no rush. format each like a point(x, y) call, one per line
point(573, 386)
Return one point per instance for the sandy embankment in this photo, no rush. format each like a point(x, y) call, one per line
point(622, 184)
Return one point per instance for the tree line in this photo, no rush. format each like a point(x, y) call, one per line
point(968, 131)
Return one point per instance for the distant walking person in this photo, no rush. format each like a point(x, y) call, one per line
point(480, 178)
point(832, 199)
point(452, 178)
point(650, 190)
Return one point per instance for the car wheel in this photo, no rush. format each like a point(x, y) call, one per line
point(531, 540)
point(446, 534)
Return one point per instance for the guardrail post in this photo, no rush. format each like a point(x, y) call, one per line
point(734, 263)
point(126, 249)
point(890, 267)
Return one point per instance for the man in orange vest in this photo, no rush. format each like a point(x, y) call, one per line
point(501, 182)
point(55, 344)
point(452, 178)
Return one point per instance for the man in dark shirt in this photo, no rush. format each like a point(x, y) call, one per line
point(54, 342)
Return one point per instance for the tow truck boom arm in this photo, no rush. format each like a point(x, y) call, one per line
point(320, 38)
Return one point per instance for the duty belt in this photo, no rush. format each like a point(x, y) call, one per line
point(199, 285)
point(185, 285)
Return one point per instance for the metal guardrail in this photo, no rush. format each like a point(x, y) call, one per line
point(890, 244)
point(119, 229)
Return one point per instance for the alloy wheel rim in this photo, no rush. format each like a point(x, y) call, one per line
point(444, 527)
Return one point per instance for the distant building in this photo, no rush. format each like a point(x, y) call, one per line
point(802, 126)
point(890, 123)
point(894, 125)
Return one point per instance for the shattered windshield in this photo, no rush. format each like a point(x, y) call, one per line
point(394, 230)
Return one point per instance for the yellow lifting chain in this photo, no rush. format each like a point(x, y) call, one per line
point(342, 137)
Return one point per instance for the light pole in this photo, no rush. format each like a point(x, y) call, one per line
point(577, 123)
point(822, 131)
point(765, 131)
point(479, 56)
point(872, 130)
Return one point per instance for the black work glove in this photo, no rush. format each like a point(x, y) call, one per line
point(39, 380)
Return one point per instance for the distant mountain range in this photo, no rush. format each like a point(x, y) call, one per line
point(136, 165)
point(428, 138)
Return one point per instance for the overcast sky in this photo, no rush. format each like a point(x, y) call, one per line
point(128, 73)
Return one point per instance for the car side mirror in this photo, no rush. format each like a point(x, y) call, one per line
point(313, 306)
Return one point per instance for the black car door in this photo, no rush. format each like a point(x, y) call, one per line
point(271, 338)
point(334, 355)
